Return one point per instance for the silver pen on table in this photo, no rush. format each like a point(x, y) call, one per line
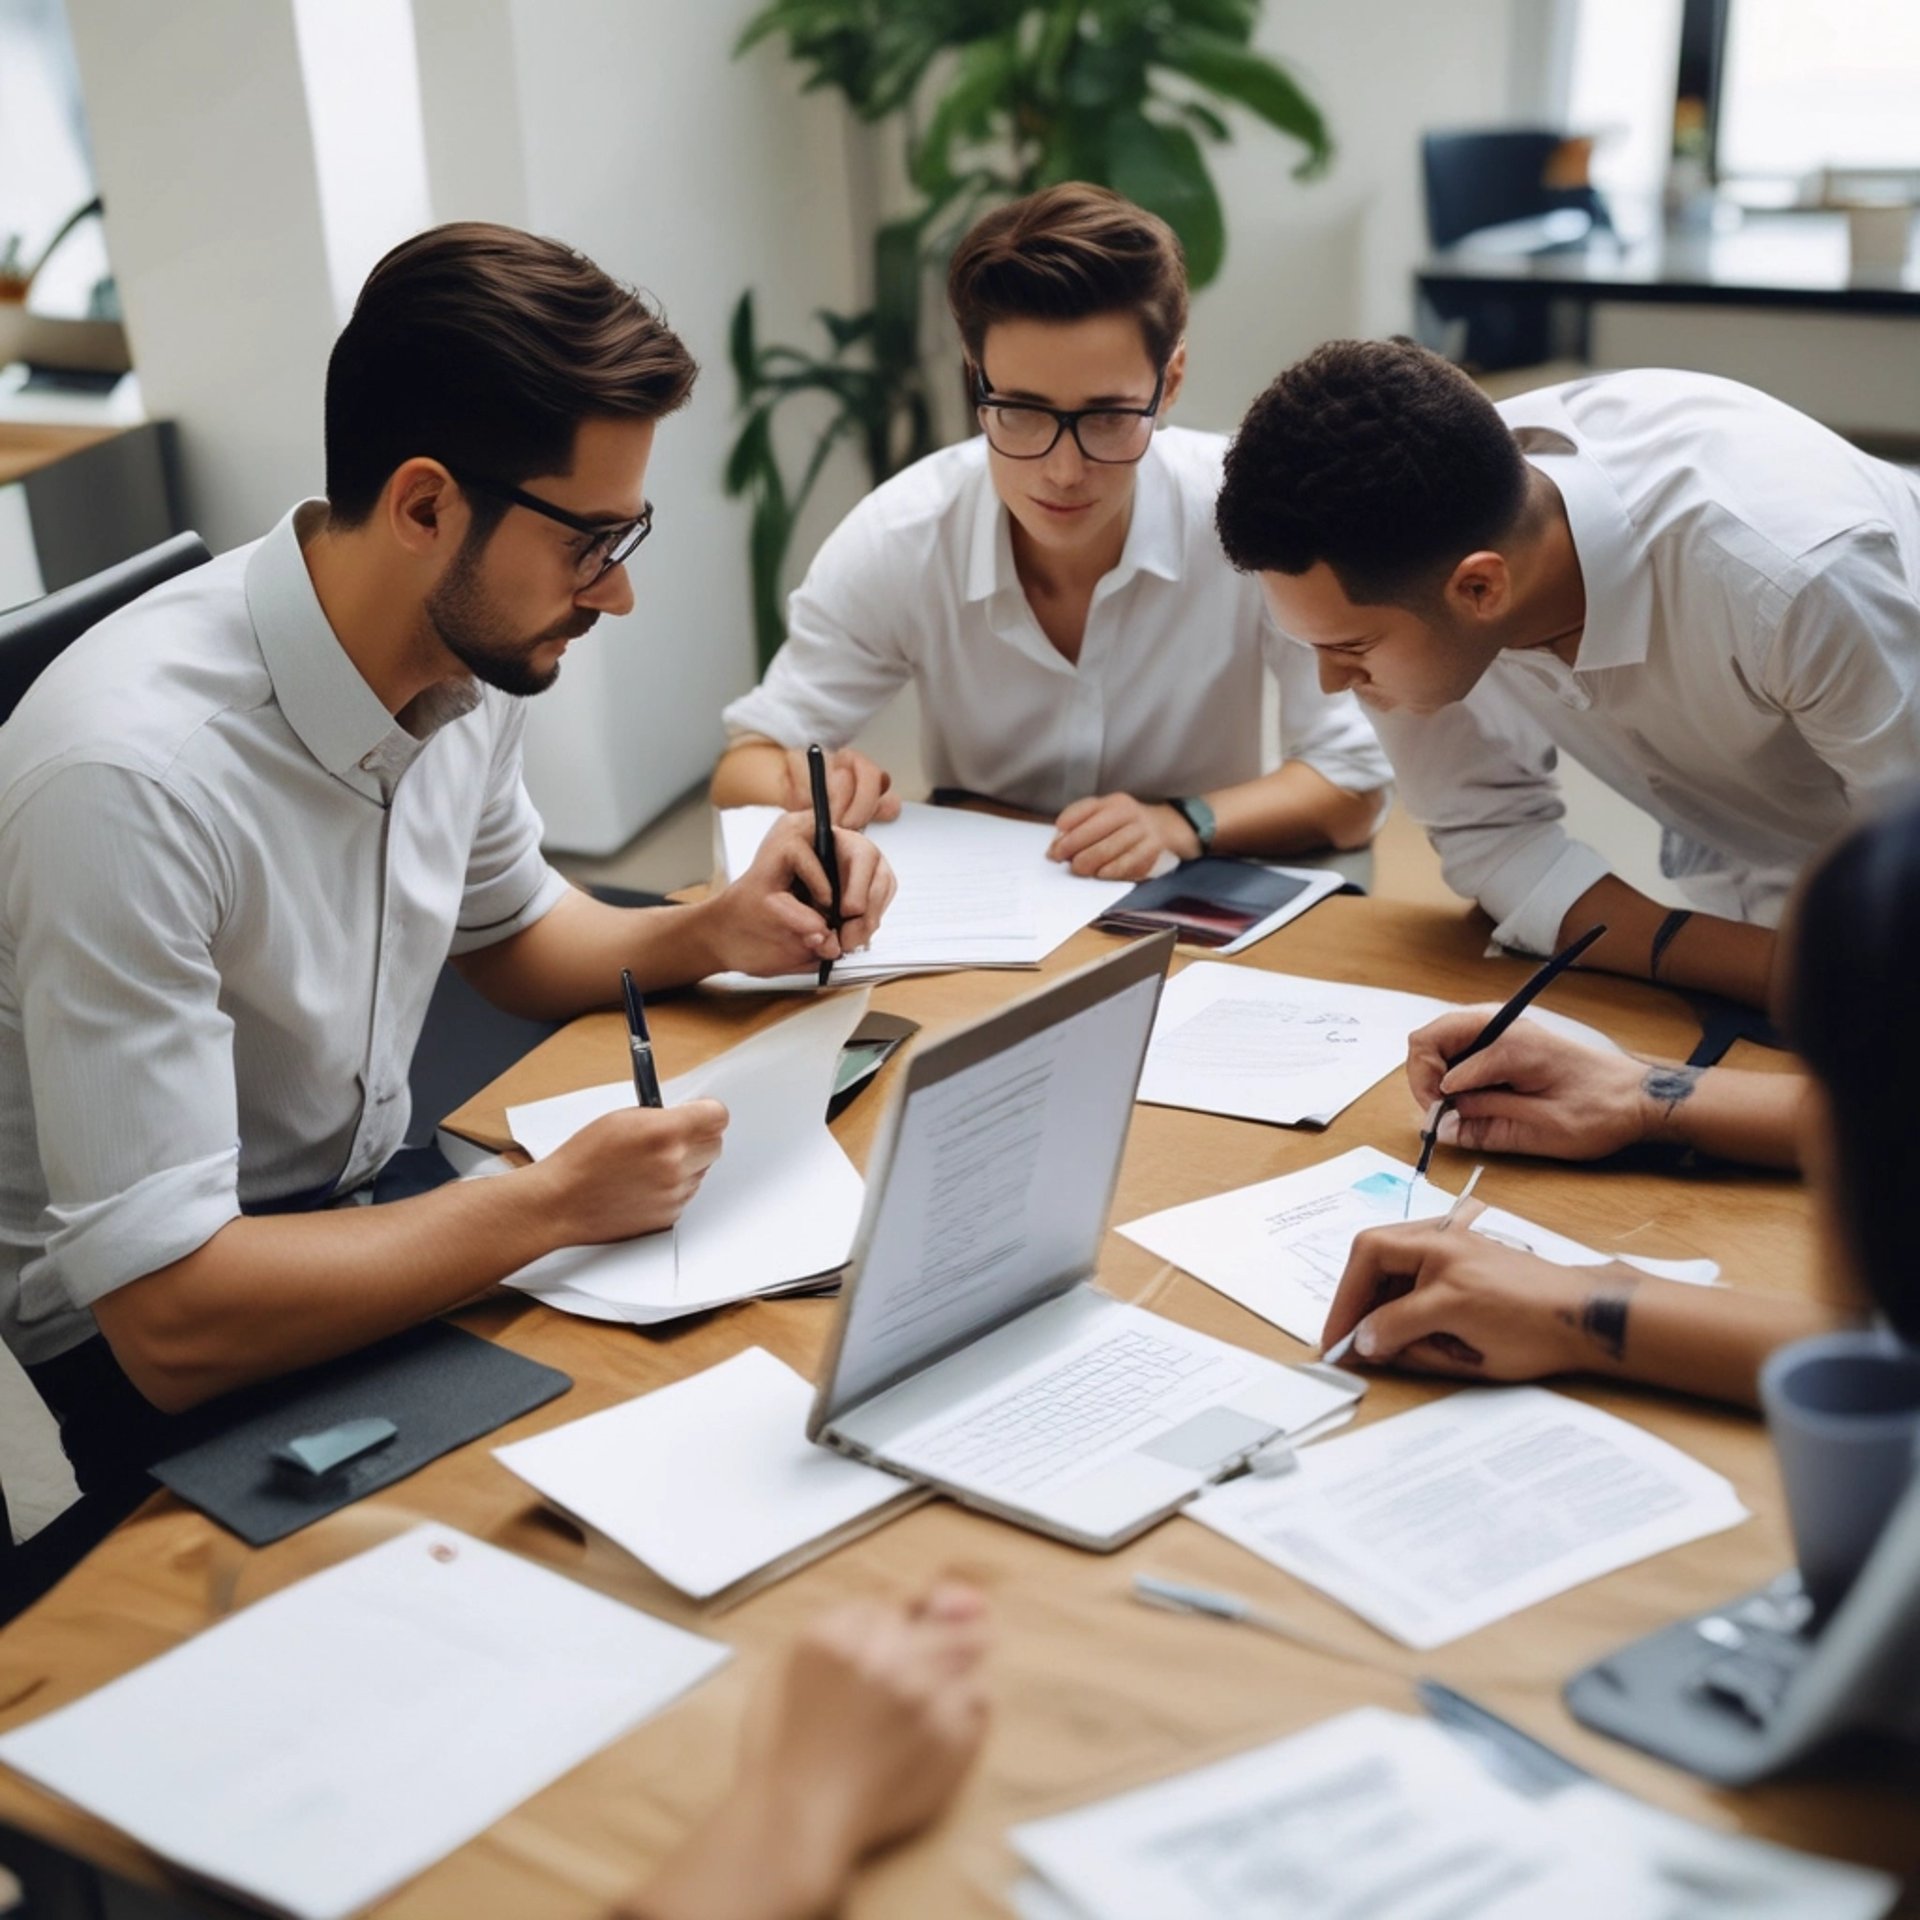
point(1344, 1346)
point(1172, 1596)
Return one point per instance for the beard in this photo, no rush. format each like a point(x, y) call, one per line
point(468, 626)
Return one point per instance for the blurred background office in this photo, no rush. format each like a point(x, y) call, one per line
point(1683, 200)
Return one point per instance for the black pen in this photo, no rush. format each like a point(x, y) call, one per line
point(646, 1082)
point(823, 846)
point(1543, 978)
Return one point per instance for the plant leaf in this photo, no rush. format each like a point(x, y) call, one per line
point(752, 453)
point(1163, 169)
point(1254, 81)
point(740, 345)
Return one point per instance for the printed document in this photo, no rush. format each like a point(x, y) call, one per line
point(779, 1207)
point(1438, 1522)
point(710, 1480)
point(1377, 1816)
point(1272, 1046)
point(341, 1735)
point(1280, 1247)
point(974, 891)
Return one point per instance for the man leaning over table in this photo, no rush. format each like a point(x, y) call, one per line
point(245, 820)
point(1707, 599)
point(1055, 589)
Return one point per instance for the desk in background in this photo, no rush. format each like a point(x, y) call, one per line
point(1093, 1693)
point(1771, 302)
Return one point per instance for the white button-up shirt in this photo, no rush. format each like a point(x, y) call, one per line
point(1748, 670)
point(228, 880)
point(918, 583)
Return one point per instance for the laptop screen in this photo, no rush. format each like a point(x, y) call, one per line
point(992, 1191)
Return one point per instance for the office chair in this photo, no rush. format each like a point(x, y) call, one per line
point(1476, 180)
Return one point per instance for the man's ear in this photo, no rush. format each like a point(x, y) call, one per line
point(1176, 376)
point(1480, 588)
point(423, 507)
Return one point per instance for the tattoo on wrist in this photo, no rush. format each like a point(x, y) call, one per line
point(1602, 1319)
point(1668, 1086)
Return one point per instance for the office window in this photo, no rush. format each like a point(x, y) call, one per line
point(45, 168)
point(1832, 85)
point(1623, 59)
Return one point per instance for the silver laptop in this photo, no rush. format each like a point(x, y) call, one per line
point(973, 1352)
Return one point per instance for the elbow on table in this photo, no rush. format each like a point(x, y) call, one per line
point(1355, 818)
point(163, 1347)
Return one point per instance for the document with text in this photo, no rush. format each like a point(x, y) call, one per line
point(1439, 1522)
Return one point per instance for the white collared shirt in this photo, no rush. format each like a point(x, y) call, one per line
point(918, 583)
point(228, 880)
point(1749, 671)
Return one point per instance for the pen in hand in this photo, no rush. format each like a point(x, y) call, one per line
point(646, 1081)
point(1537, 984)
point(823, 844)
point(1344, 1345)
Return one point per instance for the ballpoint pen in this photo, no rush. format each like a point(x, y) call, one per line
point(1542, 978)
point(1171, 1596)
point(1344, 1345)
point(646, 1082)
point(823, 845)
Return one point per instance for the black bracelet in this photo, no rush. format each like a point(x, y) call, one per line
point(1664, 938)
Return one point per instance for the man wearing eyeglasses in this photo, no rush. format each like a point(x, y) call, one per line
point(1056, 590)
point(244, 821)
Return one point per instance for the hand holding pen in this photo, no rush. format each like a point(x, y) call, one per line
point(1389, 1290)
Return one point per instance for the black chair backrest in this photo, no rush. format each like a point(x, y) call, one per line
point(34, 636)
point(1476, 180)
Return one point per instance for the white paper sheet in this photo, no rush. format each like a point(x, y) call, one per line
point(1287, 1050)
point(780, 1205)
point(1438, 1522)
point(1380, 1816)
point(340, 1736)
point(974, 891)
point(707, 1480)
point(1280, 1247)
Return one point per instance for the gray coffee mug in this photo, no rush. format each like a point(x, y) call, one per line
point(1844, 1410)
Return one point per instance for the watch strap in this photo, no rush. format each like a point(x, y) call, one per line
point(1199, 816)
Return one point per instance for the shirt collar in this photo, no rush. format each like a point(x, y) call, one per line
point(338, 717)
point(1615, 568)
point(1156, 534)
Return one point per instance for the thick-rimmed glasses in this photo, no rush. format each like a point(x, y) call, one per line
point(1025, 430)
point(606, 547)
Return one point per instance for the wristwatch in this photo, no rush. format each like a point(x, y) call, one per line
point(1199, 816)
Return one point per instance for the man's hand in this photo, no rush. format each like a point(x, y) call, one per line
point(1535, 1091)
point(859, 791)
point(1448, 1301)
point(1113, 836)
point(634, 1171)
point(758, 926)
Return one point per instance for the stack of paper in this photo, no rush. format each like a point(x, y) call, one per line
point(1280, 1247)
point(711, 1481)
point(1441, 1521)
point(340, 1736)
point(777, 1210)
point(974, 891)
point(1290, 1051)
point(1379, 1816)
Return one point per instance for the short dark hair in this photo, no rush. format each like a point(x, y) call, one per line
point(485, 348)
point(1068, 253)
point(1378, 457)
point(1851, 1015)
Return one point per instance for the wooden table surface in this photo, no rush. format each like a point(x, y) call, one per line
point(1092, 1692)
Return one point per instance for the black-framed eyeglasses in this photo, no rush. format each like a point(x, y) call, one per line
point(1025, 430)
point(606, 546)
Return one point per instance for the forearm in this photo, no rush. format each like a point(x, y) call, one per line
point(1708, 954)
point(1709, 1341)
point(568, 962)
point(270, 1294)
point(1751, 1117)
point(1294, 809)
point(751, 773)
point(765, 1855)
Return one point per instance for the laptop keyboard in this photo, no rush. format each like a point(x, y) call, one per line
point(1129, 1385)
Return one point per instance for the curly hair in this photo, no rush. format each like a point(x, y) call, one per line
point(1067, 253)
point(1379, 458)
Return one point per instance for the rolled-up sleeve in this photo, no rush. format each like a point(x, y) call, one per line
point(509, 883)
point(113, 897)
point(1479, 777)
point(1329, 732)
point(842, 661)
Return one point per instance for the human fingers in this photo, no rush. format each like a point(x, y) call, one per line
point(1101, 818)
point(1070, 817)
point(1129, 840)
point(1382, 1261)
point(1494, 1123)
point(867, 786)
point(1525, 1056)
point(866, 886)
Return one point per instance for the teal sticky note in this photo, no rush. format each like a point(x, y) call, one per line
point(318, 1453)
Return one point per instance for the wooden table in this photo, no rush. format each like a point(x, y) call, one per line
point(1093, 1693)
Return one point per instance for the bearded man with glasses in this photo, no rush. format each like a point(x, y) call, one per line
point(1056, 591)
